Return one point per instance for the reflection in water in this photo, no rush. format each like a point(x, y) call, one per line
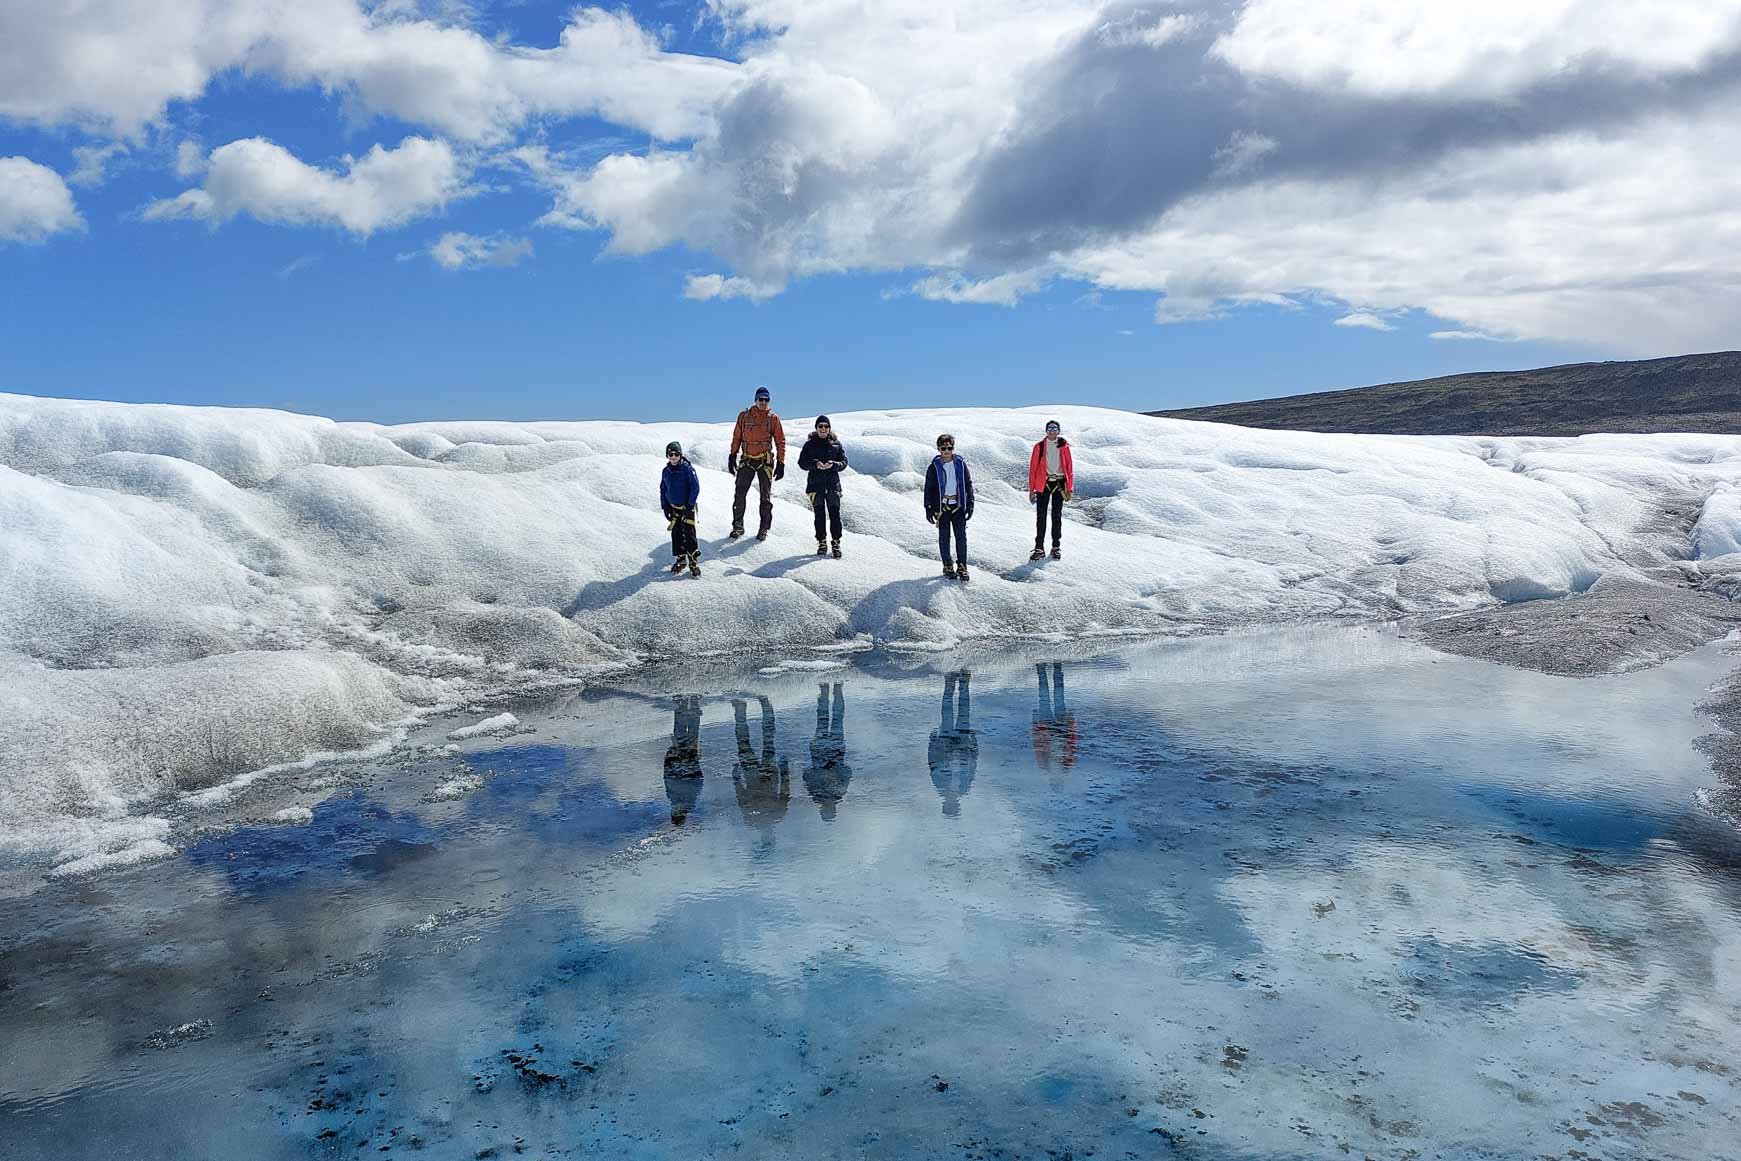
point(763, 784)
point(1054, 732)
point(954, 751)
point(828, 775)
point(683, 757)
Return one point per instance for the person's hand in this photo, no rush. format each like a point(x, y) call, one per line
point(780, 470)
point(670, 513)
point(931, 516)
point(1067, 496)
point(967, 515)
point(731, 465)
point(1033, 497)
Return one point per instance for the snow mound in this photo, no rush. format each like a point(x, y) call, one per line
point(501, 723)
point(188, 595)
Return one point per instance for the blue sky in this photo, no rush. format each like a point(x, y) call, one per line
point(1216, 291)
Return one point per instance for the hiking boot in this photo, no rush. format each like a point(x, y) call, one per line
point(822, 548)
point(1038, 553)
point(679, 565)
point(837, 550)
point(948, 572)
point(1057, 553)
point(762, 535)
point(695, 566)
point(961, 572)
point(735, 534)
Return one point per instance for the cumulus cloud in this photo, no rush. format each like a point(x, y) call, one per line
point(1364, 319)
point(34, 202)
point(382, 189)
point(92, 163)
point(460, 251)
point(116, 65)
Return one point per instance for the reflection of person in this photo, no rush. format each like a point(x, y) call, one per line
point(828, 775)
point(761, 441)
point(1054, 724)
point(683, 757)
point(954, 751)
point(763, 785)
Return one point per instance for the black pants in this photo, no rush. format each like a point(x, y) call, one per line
point(1053, 498)
point(764, 480)
point(952, 518)
point(683, 534)
point(826, 505)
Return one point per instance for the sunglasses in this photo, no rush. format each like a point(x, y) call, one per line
point(673, 455)
point(945, 447)
point(822, 427)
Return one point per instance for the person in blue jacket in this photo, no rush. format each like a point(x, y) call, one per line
point(949, 505)
point(679, 493)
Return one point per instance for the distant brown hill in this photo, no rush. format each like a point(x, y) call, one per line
point(1684, 393)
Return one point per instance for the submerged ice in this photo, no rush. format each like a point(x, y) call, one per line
point(187, 594)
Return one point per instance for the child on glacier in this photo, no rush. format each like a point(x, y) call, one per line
point(679, 493)
point(949, 504)
point(1051, 479)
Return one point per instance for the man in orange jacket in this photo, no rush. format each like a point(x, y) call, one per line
point(1051, 480)
point(762, 442)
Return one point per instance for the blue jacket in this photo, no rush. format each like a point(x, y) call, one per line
point(679, 486)
point(934, 488)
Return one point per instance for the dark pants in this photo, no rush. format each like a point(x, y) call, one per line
point(826, 505)
point(1053, 498)
point(952, 518)
point(764, 480)
point(683, 534)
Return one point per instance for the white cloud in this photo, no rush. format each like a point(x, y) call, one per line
point(1489, 48)
point(998, 290)
point(707, 287)
point(93, 162)
point(297, 265)
point(34, 202)
point(116, 65)
point(190, 159)
point(382, 189)
point(1365, 319)
point(459, 251)
point(1468, 336)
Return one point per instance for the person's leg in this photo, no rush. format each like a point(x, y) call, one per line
point(821, 710)
point(677, 549)
point(819, 506)
point(740, 496)
point(1058, 706)
point(960, 537)
point(1040, 521)
point(1045, 696)
point(834, 514)
point(765, 482)
point(767, 731)
point(964, 704)
point(1057, 499)
point(740, 721)
point(947, 728)
point(839, 724)
point(943, 540)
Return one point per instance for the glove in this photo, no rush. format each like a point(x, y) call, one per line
point(967, 515)
point(670, 513)
point(780, 470)
point(1033, 497)
point(931, 516)
point(731, 465)
point(1067, 496)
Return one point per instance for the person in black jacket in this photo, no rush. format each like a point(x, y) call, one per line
point(823, 458)
point(683, 757)
point(828, 775)
point(949, 504)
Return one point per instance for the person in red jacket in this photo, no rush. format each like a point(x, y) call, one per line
point(758, 454)
point(1051, 480)
point(1054, 731)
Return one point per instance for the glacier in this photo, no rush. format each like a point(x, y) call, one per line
point(191, 594)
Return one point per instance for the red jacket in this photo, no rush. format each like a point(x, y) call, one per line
point(1037, 467)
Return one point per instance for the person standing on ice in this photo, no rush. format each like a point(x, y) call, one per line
point(823, 457)
point(1051, 480)
point(953, 754)
point(758, 452)
point(828, 775)
point(949, 505)
point(679, 494)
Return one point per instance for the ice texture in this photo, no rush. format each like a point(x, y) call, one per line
point(188, 594)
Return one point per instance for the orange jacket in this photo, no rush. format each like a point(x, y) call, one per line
point(756, 432)
point(1037, 467)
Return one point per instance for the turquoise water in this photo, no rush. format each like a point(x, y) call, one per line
point(1311, 894)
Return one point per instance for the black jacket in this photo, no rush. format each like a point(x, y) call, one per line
point(934, 488)
point(817, 449)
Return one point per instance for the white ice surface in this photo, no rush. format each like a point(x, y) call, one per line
point(191, 594)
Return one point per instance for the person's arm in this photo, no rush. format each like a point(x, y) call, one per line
point(931, 493)
point(839, 454)
point(694, 485)
point(1036, 475)
point(807, 457)
point(966, 491)
point(1068, 462)
point(664, 497)
point(737, 443)
point(779, 436)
